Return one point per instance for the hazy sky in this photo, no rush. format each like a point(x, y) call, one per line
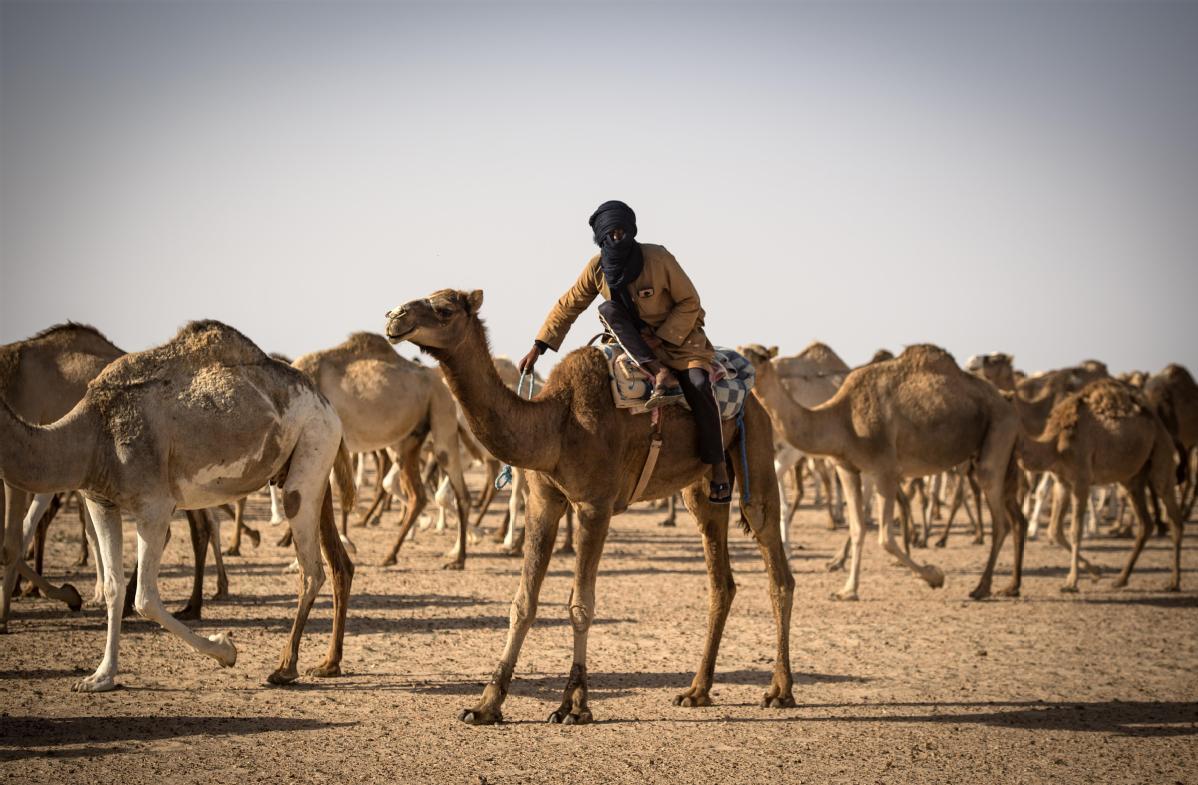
point(1019, 176)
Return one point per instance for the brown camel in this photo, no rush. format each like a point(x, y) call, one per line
point(1173, 395)
point(384, 400)
point(580, 450)
point(1108, 433)
point(916, 415)
point(199, 421)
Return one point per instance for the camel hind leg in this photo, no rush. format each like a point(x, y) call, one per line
point(15, 504)
point(761, 515)
point(888, 490)
point(546, 504)
point(343, 576)
point(106, 524)
point(407, 466)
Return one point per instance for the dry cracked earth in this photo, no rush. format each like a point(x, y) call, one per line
point(909, 684)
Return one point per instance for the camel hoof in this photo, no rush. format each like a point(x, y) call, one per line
point(227, 656)
point(479, 717)
point(1069, 588)
point(778, 701)
point(692, 699)
point(28, 590)
point(276, 521)
point(933, 575)
point(231, 551)
point(221, 593)
point(1173, 586)
point(350, 548)
point(1008, 591)
point(74, 600)
point(980, 593)
point(845, 596)
point(941, 543)
point(93, 684)
point(512, 550)
point(187, 613)
point(325, 671)
point(834, 566)
point(667, 524)
point(457, 565)
point(255, 537)
point(390, 561)
point(282, 678)
point(565, 550)
point(1120, 583)
point(567, 717)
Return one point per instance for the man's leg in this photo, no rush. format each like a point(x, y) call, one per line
point(624, 326)
point(696, 386)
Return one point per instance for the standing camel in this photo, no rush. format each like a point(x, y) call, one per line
point(384, 400)
point(579, 449)
point(1174, 397)
point(916, 415)
point(199, 421)
point(1108, 433)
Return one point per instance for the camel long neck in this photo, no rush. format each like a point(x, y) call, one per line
point(811, 430)
point(50, 458)
point(517, 431)
point(1037, 454)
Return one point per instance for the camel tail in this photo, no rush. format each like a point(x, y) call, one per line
point(343, 472)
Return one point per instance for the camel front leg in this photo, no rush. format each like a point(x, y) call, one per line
point(16, 502)
point(888, 490)
point(593, 525)
point(305, 536)
point(153, 527)
point(453, 469)
point(106, 520)
point(1081, 497)
point(200, 534)
point(545, 507)
point(851, 482)
point(222, 578)
point(1047, 482)
point(407, 466)
point(518, 490)
point(721, 588)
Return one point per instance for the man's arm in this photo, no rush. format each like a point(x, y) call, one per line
point(685, 313)
point(568, 308)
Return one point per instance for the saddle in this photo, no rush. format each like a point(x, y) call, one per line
point(732, 378)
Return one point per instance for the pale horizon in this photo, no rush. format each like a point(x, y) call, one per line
point(985, 177)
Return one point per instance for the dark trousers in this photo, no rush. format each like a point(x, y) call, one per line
point(695, 382)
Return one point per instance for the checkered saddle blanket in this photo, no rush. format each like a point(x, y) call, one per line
point(732, 379)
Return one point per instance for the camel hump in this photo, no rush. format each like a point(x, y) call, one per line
point(366, 344)
point(1178, 374)
point(926, 356)
point(197, 345)
point(1107, 400)
point(823, 355)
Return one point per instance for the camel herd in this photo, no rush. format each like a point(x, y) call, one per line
point(206, 419)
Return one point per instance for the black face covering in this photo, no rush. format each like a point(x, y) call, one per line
point(621, 261)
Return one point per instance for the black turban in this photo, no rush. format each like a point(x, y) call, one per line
point(621, 261)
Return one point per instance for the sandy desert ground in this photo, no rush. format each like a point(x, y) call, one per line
point(908, 685)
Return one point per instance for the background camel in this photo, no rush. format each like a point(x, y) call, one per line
point(916, 415)
point(202, 420)
point(1104, 433)
point(578, 449)
point(384, 400)
point(1173, 395)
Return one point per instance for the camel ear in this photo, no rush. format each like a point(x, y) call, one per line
point(772, 352)
point(474, 300)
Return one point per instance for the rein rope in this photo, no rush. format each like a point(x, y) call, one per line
point(505, 475)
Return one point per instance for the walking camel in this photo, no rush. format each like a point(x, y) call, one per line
point(199, 421)
point(1108, 433)
point(916, 415)
point(582, 451)
point(384, 400)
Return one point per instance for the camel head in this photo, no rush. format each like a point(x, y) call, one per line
point(758, 354)
point(438, 321)
point(996, 367)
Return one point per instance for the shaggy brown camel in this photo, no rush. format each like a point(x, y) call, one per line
point(384, 400)
point(916, 415)
point(1108, 433)
point(579, 449)
point(199, 421)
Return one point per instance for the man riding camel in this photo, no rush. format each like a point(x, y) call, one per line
point(653, 311)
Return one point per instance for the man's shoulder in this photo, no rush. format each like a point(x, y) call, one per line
point(657, 254)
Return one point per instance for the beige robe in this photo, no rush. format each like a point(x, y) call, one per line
point(665, 299)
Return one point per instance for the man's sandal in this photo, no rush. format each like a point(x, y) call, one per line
point(721, 493)
point(663, 396)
